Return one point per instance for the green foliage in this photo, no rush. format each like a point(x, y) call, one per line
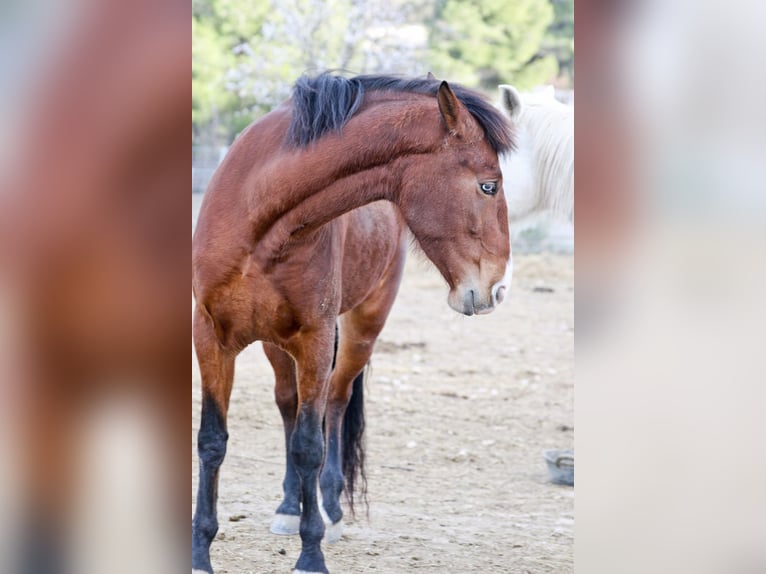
point(219, 29)
point(247, 53)
point(210, 60)
point(559, 40)
point(492, 42)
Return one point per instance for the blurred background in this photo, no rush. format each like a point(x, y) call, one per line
point(247, 54)
point(670, 280)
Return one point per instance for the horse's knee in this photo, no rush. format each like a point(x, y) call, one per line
point(212, 448)
point(212, 436)
point(204, 527)
point(307, 445)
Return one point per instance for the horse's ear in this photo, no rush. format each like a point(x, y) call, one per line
point(430, 76)
point(449, 107)
point(511, 101)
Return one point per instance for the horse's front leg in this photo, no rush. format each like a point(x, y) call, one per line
point(217, 369)
point(313, 356)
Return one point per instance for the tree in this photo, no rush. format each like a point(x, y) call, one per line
point(492, 42)
point(210, 59)
point(247, 54)
point(559, 39)
point(219, 30)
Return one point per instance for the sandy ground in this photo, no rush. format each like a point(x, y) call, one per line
point(459, 411)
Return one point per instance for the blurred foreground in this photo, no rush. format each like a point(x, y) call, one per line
point(670, 281)
point(94, 286)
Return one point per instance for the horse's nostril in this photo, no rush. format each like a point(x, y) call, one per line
point(469, 303)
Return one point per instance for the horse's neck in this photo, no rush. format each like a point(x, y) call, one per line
point(341, 196)
point(344, 172)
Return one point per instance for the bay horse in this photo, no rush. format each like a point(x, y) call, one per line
point(541, 171)
point(304, 225)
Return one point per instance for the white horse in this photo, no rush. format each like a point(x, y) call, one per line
point(539, 176)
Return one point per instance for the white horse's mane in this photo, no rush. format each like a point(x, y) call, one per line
point(551, 130)
point(549, 127)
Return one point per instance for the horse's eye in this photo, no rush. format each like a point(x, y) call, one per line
point(489, 187)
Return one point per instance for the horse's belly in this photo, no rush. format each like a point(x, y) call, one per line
point(374, 239)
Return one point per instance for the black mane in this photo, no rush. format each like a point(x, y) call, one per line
point(326, 102)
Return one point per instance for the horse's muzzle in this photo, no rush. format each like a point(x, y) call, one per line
point(472, 303)
point(469, 299)
point(500, 288)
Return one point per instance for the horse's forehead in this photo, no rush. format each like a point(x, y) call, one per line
point(477, 154)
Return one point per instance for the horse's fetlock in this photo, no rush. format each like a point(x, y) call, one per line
point(331, 483)
point(312, 533)
point(206, 526)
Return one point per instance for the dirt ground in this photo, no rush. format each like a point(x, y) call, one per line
point(459, 410)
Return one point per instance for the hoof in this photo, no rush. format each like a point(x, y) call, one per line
point(332, 532)
point(285, 524)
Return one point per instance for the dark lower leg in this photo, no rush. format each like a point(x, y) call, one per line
point(331, 480)
point(286, 396)
point(307, 450)
point(211, 442)
point(217, 370)
point(291, 485)
point(338, 473)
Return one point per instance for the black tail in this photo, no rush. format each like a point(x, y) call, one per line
point(353, 443)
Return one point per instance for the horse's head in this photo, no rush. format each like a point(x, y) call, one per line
point(457, 211)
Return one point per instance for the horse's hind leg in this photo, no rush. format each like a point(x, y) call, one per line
point(217, 370)
point(360, 328)
point(341, 388)
point(288, 516)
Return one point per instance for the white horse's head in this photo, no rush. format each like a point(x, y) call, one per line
point(539, 176)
